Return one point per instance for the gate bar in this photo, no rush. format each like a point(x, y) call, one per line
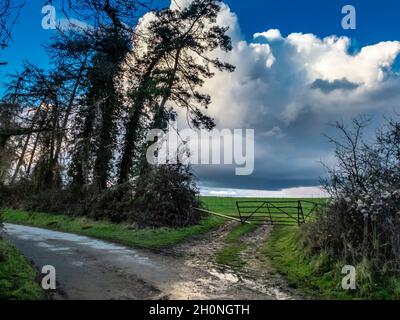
point(222, 215)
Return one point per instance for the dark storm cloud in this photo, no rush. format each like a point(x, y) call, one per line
point(327, 87)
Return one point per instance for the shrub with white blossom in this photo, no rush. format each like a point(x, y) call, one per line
point(362, 221)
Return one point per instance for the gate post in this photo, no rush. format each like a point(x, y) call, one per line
point(298, 212)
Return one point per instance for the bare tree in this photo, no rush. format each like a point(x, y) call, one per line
point(9, 14)
point(349, 174)
point(362, 221)
point(103, 13)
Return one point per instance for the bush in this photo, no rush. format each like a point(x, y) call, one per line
point(166, 196)
point(113, 204)
point(362, 223)
point(25, 195)
point(163, 196)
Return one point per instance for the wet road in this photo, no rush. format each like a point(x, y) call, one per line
point(87, 268)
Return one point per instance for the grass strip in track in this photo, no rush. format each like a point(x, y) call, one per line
point(229, 255)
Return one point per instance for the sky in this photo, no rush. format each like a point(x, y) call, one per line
point(297, 70)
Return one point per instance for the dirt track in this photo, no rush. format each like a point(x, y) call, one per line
point(94, 269)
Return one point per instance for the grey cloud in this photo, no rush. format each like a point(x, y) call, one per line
point(327, 87)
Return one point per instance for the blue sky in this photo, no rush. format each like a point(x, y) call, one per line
point(294, 84)
point(377, 20)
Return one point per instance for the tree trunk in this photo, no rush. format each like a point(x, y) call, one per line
point(26, 144)
point(61, 134)
point(158, 114)
point(133, 125)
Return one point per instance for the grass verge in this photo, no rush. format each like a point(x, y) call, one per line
point(121, 233)
point(17, 276)
point(319, 277)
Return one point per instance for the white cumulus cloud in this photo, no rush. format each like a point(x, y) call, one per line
point(271, 34)
point(289, 87)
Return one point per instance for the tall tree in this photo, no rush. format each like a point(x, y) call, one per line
point(96, 134)
point(176, 63)
point(107, 67)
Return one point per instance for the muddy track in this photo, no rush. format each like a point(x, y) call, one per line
point(93, 269)
point(256, 275)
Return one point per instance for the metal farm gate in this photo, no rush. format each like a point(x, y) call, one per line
point(276, 212)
